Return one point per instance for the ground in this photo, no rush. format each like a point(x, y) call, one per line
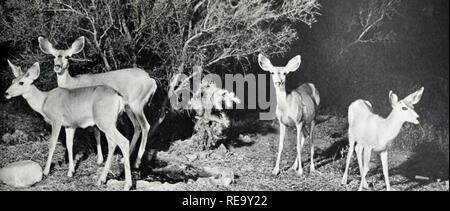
point(250, 153)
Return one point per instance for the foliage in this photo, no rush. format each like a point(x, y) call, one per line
point(168, 36)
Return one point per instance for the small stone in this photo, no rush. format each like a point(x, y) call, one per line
point(191, 157)
point(220, 176)
point(7, 138)
point(21, 174)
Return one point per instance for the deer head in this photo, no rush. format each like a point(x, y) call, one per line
point(405, 108)
point(22, 82)
point(61, 60)
point(279, 73)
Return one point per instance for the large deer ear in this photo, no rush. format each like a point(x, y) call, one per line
point(264, 63)
point(34, 71)
point(46, 46)
point(294, 64)
point(415, 97)
point(393, 98)
point(77, 46)
point(15, 69)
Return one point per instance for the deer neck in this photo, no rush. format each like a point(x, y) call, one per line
point(35, 99)
point(281, 96)
point(66, 81)
point(392, 126)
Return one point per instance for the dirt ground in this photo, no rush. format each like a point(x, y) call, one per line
point(250, 154)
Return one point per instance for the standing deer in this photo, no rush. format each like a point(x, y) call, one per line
point(372, 132)
point(71, 109)
point(297, 108)
point(134, 84)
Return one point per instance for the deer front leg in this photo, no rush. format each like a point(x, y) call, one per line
point(56, 127)
point(384, 163)
point(276, 170)
point(300, 143)
point(69, 144)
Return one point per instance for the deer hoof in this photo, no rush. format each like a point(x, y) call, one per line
point(276, 171)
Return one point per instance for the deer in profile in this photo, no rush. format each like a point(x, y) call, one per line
point(72, 109)
point(134, 84)
point(371, 132)
point(298, 107)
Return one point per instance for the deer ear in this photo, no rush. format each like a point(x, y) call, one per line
point(46, 46)
point(393, 98)
point(15, 69)
point(264, 63)
point(77, 46)
point(34, 71)
point(294, 64)
point(415, 97)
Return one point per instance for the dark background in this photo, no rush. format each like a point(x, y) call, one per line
point(419, 57)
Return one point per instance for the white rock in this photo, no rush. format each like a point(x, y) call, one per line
point(220, 175)
point(21, 174)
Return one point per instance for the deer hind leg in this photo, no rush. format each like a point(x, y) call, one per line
point(145, 126)
point(365, 156)
point(359, 156)
point(69, 144)
point(276, 169)
point(124, 146)
point(351, 142)
point(99, 146)
point(111, 147)
point(56, 127)
point(136, 126)
point(311, 139)
point(300, 143)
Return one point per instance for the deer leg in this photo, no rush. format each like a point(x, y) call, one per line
point(137, 128)
point(359, 151)
point(295, 165)
point(276, 170)
point(69, 144)
point(384, 163)
point(300, 142)
point(56, 127)
point(99, 146)
point(349, 158)
point(145, 126)
point(366, 166)
point(124, 146)
point(111, 147)
point(311, 139)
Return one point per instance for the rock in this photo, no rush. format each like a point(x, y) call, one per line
point(220, 176)
point(191, 157)
point(7, 138)
point(222, 150)
point(21, 174)
point(142, 185)
point(245, 138)
point(203, 155)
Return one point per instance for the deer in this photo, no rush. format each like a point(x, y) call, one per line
point(298, 107)
point(134, 84)
point(371, 132)
point(74, 108)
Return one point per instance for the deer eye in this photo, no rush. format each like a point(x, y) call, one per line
point(284, 73)
point(21, 83)
point(404, 108)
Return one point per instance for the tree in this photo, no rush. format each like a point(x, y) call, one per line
point(165, 37)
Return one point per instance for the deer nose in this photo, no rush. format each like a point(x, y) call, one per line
point(6, 93)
